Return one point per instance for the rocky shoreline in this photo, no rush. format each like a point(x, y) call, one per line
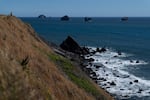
point(83, 56)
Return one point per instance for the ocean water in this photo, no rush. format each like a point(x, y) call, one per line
point(131, 37)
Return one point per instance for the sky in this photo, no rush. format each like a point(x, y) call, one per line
point(76, 8)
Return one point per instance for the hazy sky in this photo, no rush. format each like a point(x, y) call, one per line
point(97, 8)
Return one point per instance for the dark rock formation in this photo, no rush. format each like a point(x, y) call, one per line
point(124, 18)
point(112, 83)
point(115, 56)
point(131, 61)
point(42, 16)
point(130, 83)
point(136, 81)
point(137, 61)
point(119, 53)
point(65, 18)
point(87, 19)
point(72, 46)
point(100, 50)
point(89, 60)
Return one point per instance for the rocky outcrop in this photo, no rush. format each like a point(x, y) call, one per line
point(72, 46)
point(65, 18)
point(87, 19)
point(124, 19)
point(42, 16)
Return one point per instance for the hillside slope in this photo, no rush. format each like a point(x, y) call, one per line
point(28, 70)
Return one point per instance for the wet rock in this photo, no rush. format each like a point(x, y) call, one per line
point(97, 66)
point(108, 82)
point(103, 79)
point(136, 81)
point(113, 83)
point(93, 74)
point(85, 50)
point(88, 70)
point(100, 50)
point(104, 84)
point(119, 53)
point(89, 60)
point(93, 52)
point(115, 56)
point(117, 76)
point(108, 87)
point(94, 78)
point(130, 83)
point(137, 61)
point(140, 90)
point(126, 96)
point(131, 61)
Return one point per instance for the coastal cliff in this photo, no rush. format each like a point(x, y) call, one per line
point(31, 70)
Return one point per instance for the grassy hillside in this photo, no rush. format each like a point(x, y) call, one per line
point(30, 70)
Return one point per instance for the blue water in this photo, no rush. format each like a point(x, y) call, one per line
point(132, 36)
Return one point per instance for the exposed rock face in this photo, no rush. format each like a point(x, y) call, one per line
point(65, 18)
point(72, 46)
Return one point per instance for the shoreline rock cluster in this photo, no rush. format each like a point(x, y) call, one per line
point(72, 46)
point(77, 53)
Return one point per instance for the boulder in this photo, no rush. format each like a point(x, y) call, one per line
point(130, 83)
point(119, 53)
point(100, 50)
point(131, 61)
point(89, 60)
point(136, 81)
point(115, 56)
point(112, 83)
point(137, 61)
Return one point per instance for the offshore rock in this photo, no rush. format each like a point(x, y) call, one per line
point(72, 46)
point(42, 16)
point(65, 18)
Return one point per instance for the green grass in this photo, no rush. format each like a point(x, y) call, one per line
point(70, 71)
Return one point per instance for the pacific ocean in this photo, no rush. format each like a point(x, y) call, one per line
point(131, 37)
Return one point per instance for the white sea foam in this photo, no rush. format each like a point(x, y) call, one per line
point(126, 84)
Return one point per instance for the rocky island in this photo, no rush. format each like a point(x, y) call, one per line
point(42, 16)
point(65, 18)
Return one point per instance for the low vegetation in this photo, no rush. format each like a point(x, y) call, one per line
point(72, 72)
point(30, 70)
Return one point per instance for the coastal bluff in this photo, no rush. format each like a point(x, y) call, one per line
point(31, 70)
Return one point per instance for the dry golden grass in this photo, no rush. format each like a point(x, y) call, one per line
point(39, 79)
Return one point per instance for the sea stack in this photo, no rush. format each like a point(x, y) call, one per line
point(42, 16)
point(65, 18)
point(87, 19)
point(72, 46)
point(124, 19)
